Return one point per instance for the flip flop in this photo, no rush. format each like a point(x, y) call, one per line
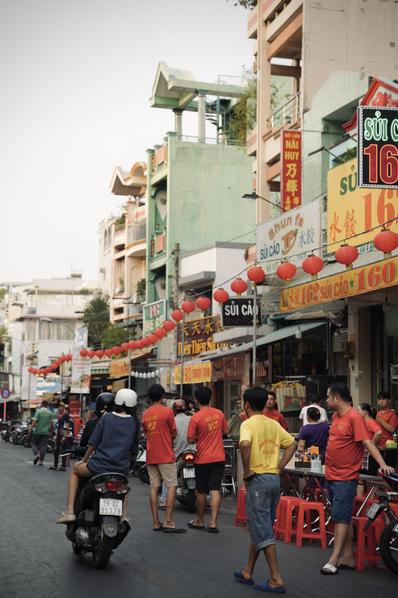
point(173, 530)
point(191, 525)
point(158, 529)
point(345, 568)
point(265, 587)
point(329, 569)
point(66, 518)
point(211, 530)
point(238, 576)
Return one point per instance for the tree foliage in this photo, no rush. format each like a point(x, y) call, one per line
point(246, 3)
point(114, 335)
point(243, 117)
point(96, 318)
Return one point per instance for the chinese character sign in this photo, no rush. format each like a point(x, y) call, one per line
point(154, 315)
point(291, 170)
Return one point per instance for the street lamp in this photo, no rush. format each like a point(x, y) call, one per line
point(254, 195)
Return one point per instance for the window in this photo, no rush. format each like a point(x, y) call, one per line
point(30, 330)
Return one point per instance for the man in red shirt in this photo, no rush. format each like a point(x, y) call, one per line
point(386, 418)
point(271, 410)
point(207, 428)
point(160, 429)
point(348, 438)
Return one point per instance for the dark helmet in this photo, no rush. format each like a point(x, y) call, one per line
point(105, 402)
point(179, 406)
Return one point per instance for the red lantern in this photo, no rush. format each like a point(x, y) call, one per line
point(152, 339)
point(312, 265)
point(168, 325)
point(116, 350)
point(203, 303)
point(286, 270)
point(145, 342)
point(177, 315)
point(188, 306)
point(386, 241)
point(239, 286)
point(90, 354)
point(108, 352)
point(83, 353)
point(140, 344)
point(220, 295)
point(125, 347)
point(346, 254)
point(100, 353)
point(132, 345)
point(160, 333)
point(69, 357)
point(256, 274)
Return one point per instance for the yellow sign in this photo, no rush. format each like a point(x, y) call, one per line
point(352, 210)
point(119, 368)
point(194, 373)
point(347, 284)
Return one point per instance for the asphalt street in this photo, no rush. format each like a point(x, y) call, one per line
point(36, 560)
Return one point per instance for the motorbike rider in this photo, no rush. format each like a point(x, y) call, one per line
point(108, 449)
point(103, 404)
point(64, 436)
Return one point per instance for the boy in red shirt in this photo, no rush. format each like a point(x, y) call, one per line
point(207, 428)
point(160, 429)
point(348, 438)
point(386, 418)
point(270, 410)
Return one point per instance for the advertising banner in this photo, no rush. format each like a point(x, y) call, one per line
point(239, 312)
point(199, 336)
point(154, 315)
point(81, 373)
point(291, 169)
point(119, 368)
point(352, 210)
point(194, 373)
point(292, 236)
point(378, 147)
point(349, 283)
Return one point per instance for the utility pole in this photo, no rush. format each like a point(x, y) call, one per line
point(175, 295)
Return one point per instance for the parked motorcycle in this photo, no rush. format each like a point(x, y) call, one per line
point(186, 480)
point(98, 528)
point(138, 466)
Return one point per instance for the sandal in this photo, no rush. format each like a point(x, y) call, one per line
point(329, 569)
point(238, 576)
point(192, 525)
point(66, 518)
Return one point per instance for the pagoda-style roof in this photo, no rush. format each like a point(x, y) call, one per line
point(175, 88)
point(129, 183)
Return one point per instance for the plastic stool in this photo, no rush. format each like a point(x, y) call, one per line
point(284, 517)
point(367, 542)
point(304, 509)
point(241, 515)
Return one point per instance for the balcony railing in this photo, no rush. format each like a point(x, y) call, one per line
point(158, 244)
point(286, 115)
point(136, 232)
point(159, 157)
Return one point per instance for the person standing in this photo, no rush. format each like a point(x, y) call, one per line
point(387, 420)
point(42, 425)
point(160, 429)
point(314, 402)
point(207, 428)
point(261, 439)
point(271, 410)
point(63, 437)
point(348, 438)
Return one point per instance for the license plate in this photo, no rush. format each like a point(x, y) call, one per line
point(373, 511)
point(110, 506)
point(188, 472)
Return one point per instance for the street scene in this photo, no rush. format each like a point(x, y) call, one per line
point(198, 298)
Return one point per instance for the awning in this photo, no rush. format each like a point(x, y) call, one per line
point(272, 337)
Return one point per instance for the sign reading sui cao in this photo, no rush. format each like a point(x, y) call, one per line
point(239, 312)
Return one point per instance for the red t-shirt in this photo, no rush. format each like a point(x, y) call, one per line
point(372, 426)
point(388, 416)
point(344, 451)
point(207, 426)
point(159, 424)
point(276, 416)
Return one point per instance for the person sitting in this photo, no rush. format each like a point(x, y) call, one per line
point(108, 450)
point(315, 433)
point(313, 401)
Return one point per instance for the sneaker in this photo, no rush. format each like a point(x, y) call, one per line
point(36, 460)
point(41, 463)
point(61, 469)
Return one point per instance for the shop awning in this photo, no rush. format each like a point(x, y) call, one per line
point(272, 337)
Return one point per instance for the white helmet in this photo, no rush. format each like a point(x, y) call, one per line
point(126, 396)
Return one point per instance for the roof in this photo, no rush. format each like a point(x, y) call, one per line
point(129, 183)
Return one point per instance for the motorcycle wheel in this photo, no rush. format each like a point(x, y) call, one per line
point(191, 502)
point(76, 548)
point(26, 441)
point(143, 475)
point(389, 546)
point(102, 553)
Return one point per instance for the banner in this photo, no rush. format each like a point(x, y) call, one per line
point(239, 312)
point(349, 283)
point(198, 336)
point(378, 147)
point(81, 373)
point(291, 169)
point(194, 373)
point(119, 368)
point(291, 236)
point(351, 210)
point(154, 315)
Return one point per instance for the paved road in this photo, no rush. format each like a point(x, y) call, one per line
point(36, 560)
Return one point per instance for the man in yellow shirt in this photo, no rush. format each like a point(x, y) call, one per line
point(261, 439)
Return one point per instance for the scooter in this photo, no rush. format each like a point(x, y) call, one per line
point(186, 480)
point(138, 466)
point(98, 528)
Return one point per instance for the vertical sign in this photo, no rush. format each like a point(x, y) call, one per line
point(291, 169)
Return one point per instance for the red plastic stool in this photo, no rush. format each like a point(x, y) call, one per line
point(305, 509)
point(284, 517)
point(367, 542)
point(241, 515)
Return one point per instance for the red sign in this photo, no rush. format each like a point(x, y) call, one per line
point(291, 170)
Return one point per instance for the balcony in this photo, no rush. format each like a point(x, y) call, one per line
point(251, 142)
point(136, 232)
point(288, 115)
point(252, 24)
point(119, 239)
point(159, 157)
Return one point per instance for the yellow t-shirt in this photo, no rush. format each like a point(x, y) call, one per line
point(267, 437)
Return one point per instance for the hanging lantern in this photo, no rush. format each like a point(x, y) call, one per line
point(168, 325)
point(286, 270)
point(220, 295)
point(108, 352)
point(160, 333)
point(177, 315)
point(256, 274)
point(132, 345)
point(312, 265)
point(152, 339)
point(100, 353)
point(203, 303)
point(125, 346)
point(83, 353)
point(239, 286)
point(117, 350)
point(188, 306)
point(140, 344)
point(90, 353)
point(386, 241)
point(346, 254)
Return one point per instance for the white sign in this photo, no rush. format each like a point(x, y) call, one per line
point(291, 236)
point(81, 337)
point(81, 373)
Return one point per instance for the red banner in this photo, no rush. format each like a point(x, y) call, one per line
point(291, 170)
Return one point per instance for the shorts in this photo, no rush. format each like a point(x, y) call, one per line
point(342, 495)
point(208, 476)
point(263, 492)
point(163, 472)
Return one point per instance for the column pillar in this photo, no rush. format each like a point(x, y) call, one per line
point(201, 117)
point(178, 122)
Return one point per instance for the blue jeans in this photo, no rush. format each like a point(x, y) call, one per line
point(342, 494)
point(262, 498)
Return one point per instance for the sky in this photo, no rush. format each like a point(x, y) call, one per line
point(76, 81)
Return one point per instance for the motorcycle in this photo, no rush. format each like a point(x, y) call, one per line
point(138, 466)
point(186, 480)
point(98, 528)
point(388, 547)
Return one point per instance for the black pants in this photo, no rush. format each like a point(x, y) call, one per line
point(39, 445)
point(61, 447)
